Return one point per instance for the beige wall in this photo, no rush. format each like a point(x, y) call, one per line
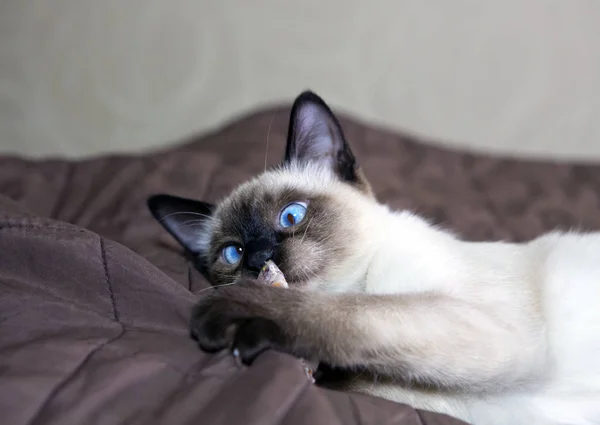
point(83, 76)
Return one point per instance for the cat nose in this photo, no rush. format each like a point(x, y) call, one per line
point(258, 259)
point(257, 254)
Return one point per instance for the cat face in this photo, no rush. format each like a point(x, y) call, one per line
point(304, 214)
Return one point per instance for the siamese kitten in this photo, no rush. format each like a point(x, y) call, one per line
point(491, 333)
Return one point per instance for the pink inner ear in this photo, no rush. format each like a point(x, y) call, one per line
point(316, 138)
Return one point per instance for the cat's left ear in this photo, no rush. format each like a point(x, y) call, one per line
point(315, 134)
point(183, 218)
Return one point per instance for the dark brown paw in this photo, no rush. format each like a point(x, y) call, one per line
point(255, 336)
point(224, 321)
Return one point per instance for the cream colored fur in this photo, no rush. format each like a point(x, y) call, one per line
point(508, 333)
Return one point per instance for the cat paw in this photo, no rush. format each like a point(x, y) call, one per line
point(255, 336)
point(225, 320)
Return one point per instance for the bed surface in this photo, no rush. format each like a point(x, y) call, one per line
point(94, 333)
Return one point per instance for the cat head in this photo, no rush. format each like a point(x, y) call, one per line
point(307, 214)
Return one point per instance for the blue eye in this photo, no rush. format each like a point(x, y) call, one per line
point(232, 253)
point(292, 214)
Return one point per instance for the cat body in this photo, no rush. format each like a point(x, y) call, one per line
point(491, 333)
point(531, 309)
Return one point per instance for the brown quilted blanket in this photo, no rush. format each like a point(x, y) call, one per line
point(92, 332)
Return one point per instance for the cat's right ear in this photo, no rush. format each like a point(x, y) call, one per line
point(184, 219)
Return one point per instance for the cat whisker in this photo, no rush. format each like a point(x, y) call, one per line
point(192, 223)
point(308, 274)
point(199, 220)
point(215, 287)
point(305, 230)
point(183, 212)
point(268, 135)
point(192, 226)
point(325, 239)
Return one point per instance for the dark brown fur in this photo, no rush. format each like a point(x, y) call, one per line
point(254, 214)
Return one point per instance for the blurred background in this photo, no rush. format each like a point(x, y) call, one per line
point(516, 77)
